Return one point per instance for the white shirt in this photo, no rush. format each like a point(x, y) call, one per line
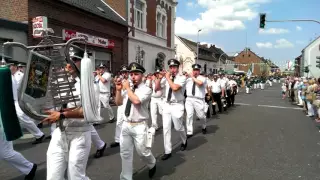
point(18, 77)
point(14, 88)
point(200, 91)
point(216, 86)
point(232, 83)
point(177, 95)
point(161, 91)
point(140, 111)
point(224, 82)
point(105, 87)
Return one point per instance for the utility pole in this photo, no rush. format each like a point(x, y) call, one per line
point(198, 45)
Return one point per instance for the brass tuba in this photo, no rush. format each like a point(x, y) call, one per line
point(46, 85)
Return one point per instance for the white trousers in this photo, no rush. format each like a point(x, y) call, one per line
point(68, 151)
point(134, 135)
point(104, 99)
point(270, 83)
point(96, 140)
point(156, 105)
point(8, 154)
point(198, 105)
point(27, 123)
point(172, 113)
point(247, 90)
point(254, 86)
point(262, 85)
point(299, 97)
point(120, 115)
point(310, 109)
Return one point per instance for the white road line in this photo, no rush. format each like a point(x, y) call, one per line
point(279, 107)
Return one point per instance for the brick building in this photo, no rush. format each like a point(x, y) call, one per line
point(94, 19)
point(151, 23)
point(246, 58)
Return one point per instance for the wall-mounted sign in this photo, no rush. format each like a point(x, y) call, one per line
point(92, 40)
point(39, 23)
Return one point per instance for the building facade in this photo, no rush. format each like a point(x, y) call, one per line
point(208, 56)
point(104, 29)
point(151, 37)
point(309, 58)
point(12, 31)
point(298, 68)
point(246, 59)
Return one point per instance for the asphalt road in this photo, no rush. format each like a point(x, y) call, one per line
point(262, 138)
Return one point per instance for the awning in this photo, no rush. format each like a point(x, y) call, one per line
point(230, 72)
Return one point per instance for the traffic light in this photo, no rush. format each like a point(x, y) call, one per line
point(262, 20)
point(318, 62)
point(306, 69)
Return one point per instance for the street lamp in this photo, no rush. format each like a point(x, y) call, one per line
point(198, 45)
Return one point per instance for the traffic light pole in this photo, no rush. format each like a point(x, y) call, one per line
point(295, 20)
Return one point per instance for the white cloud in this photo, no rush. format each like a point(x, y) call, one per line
point(299, 28)
point(264, 45)
point(273, 31)
point(190, 4)
point(283, 43)
point(222, 15)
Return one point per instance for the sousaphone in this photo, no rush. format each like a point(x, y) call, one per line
point(46, 85)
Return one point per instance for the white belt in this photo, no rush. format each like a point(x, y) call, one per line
point(174, 101)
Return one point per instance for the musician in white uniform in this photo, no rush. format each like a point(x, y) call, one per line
point(216, 92)
point(196, 88)
point(124, 75)
point(135, 124)
point(14, 158)
point(70, 145)
point(173, 108)
point(233, 87)
point(157, 97)
point(104, 85)
point(25, 121)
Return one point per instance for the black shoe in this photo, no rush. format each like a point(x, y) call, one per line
point(204, 131)
point(95, 124)
point(100, 152)
point(48, 137)
point(184, 146)
point(39, 140)
point(112, 120)
point(114, 144)
point(40, 125)
point(198, 119)
point(166, 156)
point(152, 171)
point(32, 173)
point(189, 136)
point(214, 113)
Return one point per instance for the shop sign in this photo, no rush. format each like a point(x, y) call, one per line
point(92, 40)
point(39, 23)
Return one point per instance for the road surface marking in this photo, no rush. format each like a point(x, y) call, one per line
point(279, 107)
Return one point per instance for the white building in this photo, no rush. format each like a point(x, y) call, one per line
point(151, 37)
point(309, 54)
point(208, 56)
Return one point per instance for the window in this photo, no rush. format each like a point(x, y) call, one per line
point(161, 19)
point(139, 14)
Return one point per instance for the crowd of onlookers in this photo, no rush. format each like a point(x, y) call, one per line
point(304, 92)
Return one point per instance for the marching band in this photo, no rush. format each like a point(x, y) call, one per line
point(172, 94)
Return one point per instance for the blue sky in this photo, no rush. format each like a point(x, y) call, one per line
point(230, 24)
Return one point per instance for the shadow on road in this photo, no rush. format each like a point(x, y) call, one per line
point(40, 175)
point(168, 167)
